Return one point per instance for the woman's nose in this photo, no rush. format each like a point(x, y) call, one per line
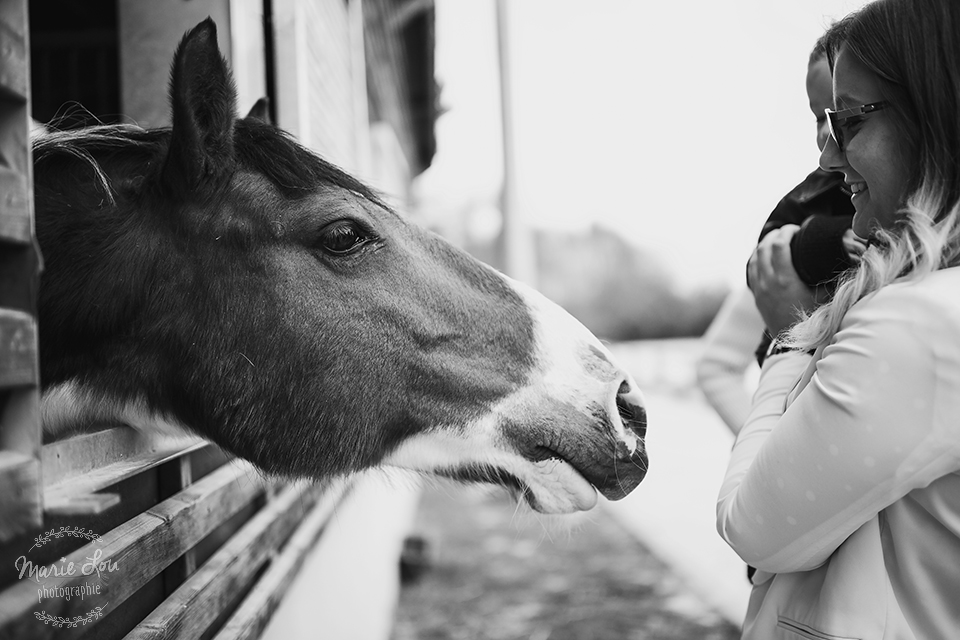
point(831, 158)
point(823, 133)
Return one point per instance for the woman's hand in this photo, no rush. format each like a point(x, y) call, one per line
point(779, 292)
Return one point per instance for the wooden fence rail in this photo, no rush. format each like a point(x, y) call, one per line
point(259, 559)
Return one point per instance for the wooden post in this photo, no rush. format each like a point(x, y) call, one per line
point(20, 436)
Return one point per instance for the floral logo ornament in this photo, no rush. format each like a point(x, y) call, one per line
point(59, 622)
point(75, 532)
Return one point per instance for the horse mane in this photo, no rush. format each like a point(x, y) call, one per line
point(292, 169)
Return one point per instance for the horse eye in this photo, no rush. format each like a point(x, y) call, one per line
point(343, 237)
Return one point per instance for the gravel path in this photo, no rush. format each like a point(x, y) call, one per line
point(495, 572)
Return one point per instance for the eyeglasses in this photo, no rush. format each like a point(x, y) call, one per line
point(836, 119)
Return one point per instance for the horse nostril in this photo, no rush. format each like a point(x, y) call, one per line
point(624, 388)
point(634, 416)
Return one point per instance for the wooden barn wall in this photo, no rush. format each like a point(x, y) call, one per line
point(149, 33)
point(19, 278)
point(315, 99)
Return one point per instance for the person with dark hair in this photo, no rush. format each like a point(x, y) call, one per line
point(815, 216)
point(843, 487)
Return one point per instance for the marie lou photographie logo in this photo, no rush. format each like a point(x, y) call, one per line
point(70, 578)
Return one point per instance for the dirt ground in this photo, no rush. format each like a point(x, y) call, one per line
point(496, 572)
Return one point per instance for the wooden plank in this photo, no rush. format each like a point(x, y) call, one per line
point(140, 549)
point(19, 494)
point(18, 349)
point(173, 477)
point(14, 67)
point(69, 485)
point(188, 613)
point(14, 207)
point(20, 420)
point(85, 505)
point(253, 614)
point(71, 459)
point(20, 483)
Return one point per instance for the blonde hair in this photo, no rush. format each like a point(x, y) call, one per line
point(919, 246)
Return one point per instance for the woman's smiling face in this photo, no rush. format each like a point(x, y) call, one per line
point(875, 160)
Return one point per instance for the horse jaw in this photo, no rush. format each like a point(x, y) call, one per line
point(476, 453)
point(575, 427)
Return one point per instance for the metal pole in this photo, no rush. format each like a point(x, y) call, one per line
point(519, 257)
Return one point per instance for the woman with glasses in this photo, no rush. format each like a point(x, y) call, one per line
point(843, 487)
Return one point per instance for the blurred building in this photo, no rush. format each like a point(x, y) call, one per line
point(352, 79)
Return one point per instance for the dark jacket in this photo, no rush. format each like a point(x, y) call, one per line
point(821, 206)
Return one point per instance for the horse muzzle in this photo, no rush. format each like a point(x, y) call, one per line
point(556, 454)
point(572, 427)
point(570, 453)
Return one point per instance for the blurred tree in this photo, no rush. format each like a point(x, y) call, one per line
point(619, 291)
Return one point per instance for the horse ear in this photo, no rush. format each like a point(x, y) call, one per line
point(261, 111)
point(203, 100)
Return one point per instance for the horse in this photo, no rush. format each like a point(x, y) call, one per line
point(217, 278)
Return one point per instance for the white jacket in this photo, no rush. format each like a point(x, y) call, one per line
point(843, 489)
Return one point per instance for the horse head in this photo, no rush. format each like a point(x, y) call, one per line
point(219, 278)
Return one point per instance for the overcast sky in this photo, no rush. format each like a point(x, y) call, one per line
point(680, 124)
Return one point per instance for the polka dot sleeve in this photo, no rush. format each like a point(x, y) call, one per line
point(877, 417)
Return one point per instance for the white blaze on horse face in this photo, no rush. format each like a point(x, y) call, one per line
point(570, 397)
point(575, 368)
